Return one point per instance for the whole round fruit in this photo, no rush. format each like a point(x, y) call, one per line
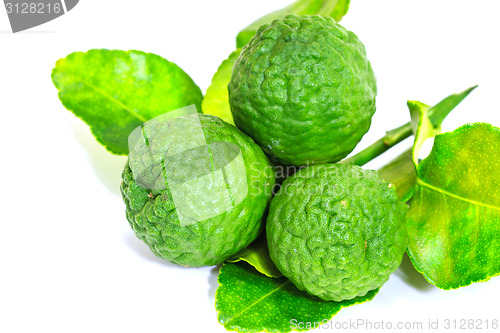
point(336, 231)
point(196, 189)
point(304, 90)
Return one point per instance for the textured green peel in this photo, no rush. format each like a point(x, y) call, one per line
point(336, 231)
point(304, 90)
point(153, 215)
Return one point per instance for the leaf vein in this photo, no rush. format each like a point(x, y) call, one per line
point(458, 197)
point(447, 236)
point(111, 98)
point(257, 301)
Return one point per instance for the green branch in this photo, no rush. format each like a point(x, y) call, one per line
point(391, 138)
point(436, 115)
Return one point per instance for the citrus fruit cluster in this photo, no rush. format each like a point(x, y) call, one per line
point(303, 92)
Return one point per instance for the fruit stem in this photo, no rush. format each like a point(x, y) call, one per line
point(389, 140)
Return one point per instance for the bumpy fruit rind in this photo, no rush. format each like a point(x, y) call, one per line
point(304, 90)
point(152, 213)
point(336, 231)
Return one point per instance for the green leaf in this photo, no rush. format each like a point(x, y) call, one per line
point(334, 8)
point(116, 91)
point(439, 111)
point(454, 216)
point(216, 100)
point(257, 255)
point(251, 302)
point(426, 121)
point(421, 126)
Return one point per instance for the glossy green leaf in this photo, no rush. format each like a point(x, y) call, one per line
point(257, 255)
point(422, 127)
point(116, 91)
point(334, 8)
point(248, 301)
point(426, 121)
point(439, 111)
point(216, 100)
point(454, 215)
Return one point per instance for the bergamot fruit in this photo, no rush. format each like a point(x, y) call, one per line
point(336, 231)
point(196, 189)
point(304, 90)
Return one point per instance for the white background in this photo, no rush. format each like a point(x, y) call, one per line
point(69, 262)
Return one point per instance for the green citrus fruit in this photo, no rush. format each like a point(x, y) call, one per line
point(196, 189)
point(304, 90)
point(336, 231)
